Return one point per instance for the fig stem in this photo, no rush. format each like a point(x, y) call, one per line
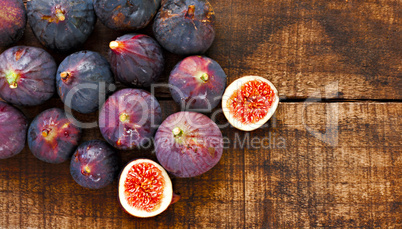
point(86, 170)
point(113, 45)
point(123, 117)
point(177, 132)
point(64, 75)
point(190, 11)
point(204, 77)
point(45, 133)
point(175, 198)
point(12, 78)
point(60, 15)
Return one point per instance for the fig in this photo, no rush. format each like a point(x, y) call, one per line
point(61, 25)
point(27, 75)
point(185, 27)
point(136, 60)
point(145, 188)
point(249, 102)
point(13, 19)
point(129, 118)
point(13, 130)
point(52, 137)
point(126, 15)
point(188, 144)
point(83, 81)
point(197, 83)
point(94, 165)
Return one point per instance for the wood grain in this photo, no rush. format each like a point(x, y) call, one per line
point(300, 46)
point(329, 160)
point(291, 179)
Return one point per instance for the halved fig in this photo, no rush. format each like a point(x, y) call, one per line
point(145, 188)
point(249, 102)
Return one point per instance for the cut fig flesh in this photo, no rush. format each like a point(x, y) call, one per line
point(249, 102)
point(145, 189)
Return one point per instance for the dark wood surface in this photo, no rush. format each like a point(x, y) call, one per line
point(330, 156)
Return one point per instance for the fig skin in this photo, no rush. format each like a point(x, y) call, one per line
point(129, 118)
point(13, 130)
point(13, 19)
point(126, 15)
point(188, 144)
point(197, 83)
point(61, 25)
point(90, 75)
point(94, 165)
point(184, 30)
point(52, 137)
point(27, 75)
point(136, 60)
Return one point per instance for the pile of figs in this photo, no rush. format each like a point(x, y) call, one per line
point(187, 143)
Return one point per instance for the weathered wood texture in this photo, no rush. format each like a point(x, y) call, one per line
point(278, 176)
point(319, 164)
point(301, 46)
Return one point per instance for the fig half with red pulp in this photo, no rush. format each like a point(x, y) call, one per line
point(249, 102)
point(145, 189)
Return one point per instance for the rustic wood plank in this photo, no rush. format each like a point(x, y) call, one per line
point(300, 182)
point(307, 182)
point(300, 46)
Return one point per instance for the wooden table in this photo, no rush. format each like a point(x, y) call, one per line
point(330, 157)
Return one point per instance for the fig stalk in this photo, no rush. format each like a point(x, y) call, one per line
point(64, 75)
point(190, 12)
point(12, 78)
point(60, 15)
point(123, 117)
point(113, 45)
point(177, 132)
point(204, 77)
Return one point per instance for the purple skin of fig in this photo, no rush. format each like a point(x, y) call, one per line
point(52, 137)
point(129, 118)
point(197, 83)
point(126, 15)
point(188, 144)
point(13, 19)
point(27, 75)
point(13, 130)
point(83, 81)
point(94, 164)
point(136, 60)
point(185, 27)
point(61, 25)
